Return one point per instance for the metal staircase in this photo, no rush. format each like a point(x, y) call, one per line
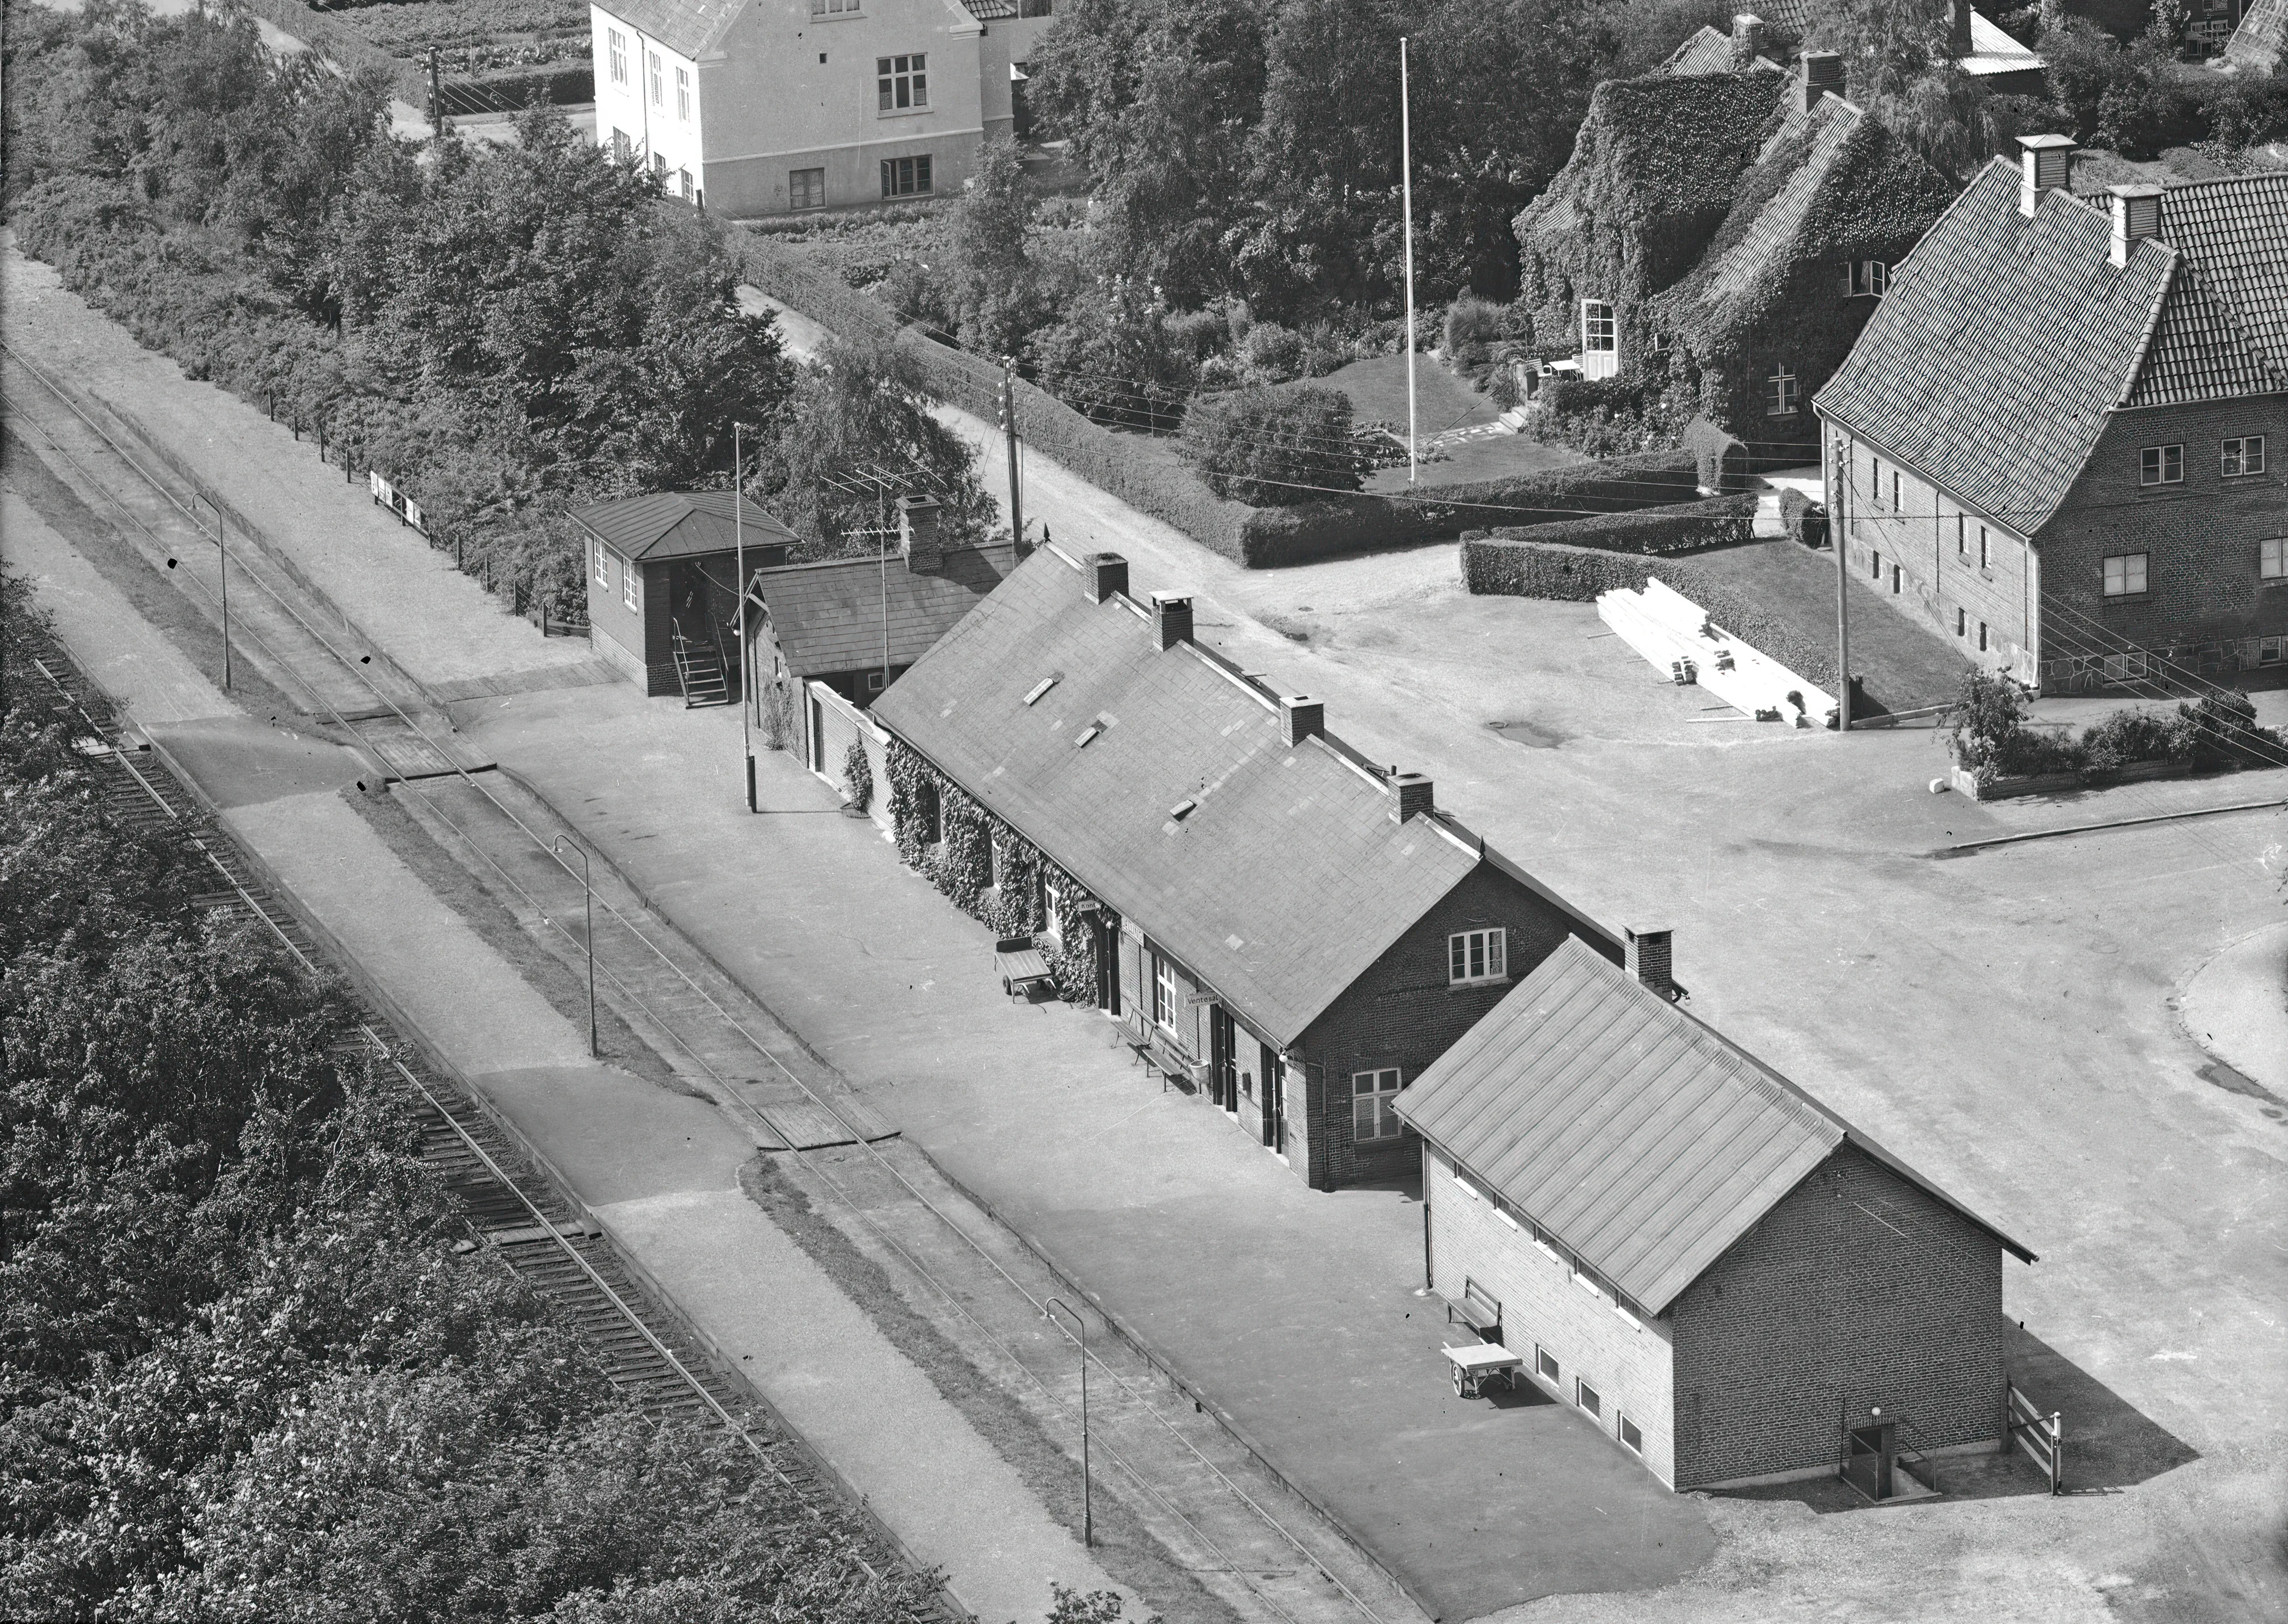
point(699, 671)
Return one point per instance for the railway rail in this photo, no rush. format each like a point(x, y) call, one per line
point(1222, 1512)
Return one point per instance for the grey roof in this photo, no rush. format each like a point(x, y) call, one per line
point(1634, 1134)
point(835, 615)
point(2260, 41)
point(1290, 877)
point(2004, 342)
point(1709, 51)
point(688, 27)
point(679, 524)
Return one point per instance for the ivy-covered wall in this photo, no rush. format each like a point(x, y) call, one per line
point(947, 836)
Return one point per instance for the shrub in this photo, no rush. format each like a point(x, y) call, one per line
point(1273, 353)
point(2223, 728)
point(1472, 325)
point(1806, 520)
point(2136, 736)
point(1273, 448)
point(858, 775)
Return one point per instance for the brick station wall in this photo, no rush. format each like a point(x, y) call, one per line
point(1858, 1289)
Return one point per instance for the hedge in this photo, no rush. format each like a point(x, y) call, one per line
point(1548, 569)
point(1689, 527)
point(511, 90)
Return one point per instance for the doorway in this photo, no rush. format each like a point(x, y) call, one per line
point(1872, 1458)
point(1223, 1058)
point(1106, 939)
point(1274, 1101)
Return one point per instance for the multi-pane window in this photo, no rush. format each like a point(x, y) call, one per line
point(806, 188)
point(2125, 575)
point(616, 46)
point(629, 593)
point(1866, 278)
point(655, 66)
point(1052, 904)
point(1599, 334)
point(833, 8)
point(1780, 391)
point(1374, 1100)
point(901, 82)
point(1476, 955)
point(906, 177)
point(1875, 479)
point(1896, 505)
point(623, 148)
point(1961, 537)
point(1164, 1002)
point(1985, 549)
point(683, 94)
point(603, 567)
point(2243, 456)
point(2272, 559)
point(2161, 464)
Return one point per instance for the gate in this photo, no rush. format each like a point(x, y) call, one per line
point(2042, 1436)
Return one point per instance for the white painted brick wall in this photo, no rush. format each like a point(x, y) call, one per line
point(1631, 1369)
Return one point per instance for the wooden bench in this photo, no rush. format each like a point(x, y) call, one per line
point(1478, 1309)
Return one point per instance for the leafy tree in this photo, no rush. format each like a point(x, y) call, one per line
point(994, 299)
point(1115, 355)
point(1272, 446)
point(1898, 65)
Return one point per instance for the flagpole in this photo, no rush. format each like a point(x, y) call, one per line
point(1406, 192)
point(746, 667)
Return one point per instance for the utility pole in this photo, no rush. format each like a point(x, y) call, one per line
point(1009, 435)
point(436, 95)
point(739, 543)
point(1839, 526)
point(1406, 195)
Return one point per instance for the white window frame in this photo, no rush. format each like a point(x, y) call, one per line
point(1985, 549)
point(1586, 1281)
point(924, 173)
point(632, 584)
point(1052, 898)
point(1622, 1427)
point(901, 84)
point(682, 95)
point(1164, 999)
point(1866, 279)
point(2127, 574)
point(2272, 559)
point(1781, 392)
point(1600, 332)
point(1547, 1366)
point(2243, 456)
point(1378, 1099)
point(1587, 1399)
point(657, 94)
point(1477, 958)
point(834, 8)
point(1961, 536)
point(616, 53)
point(997, 864)
point(807, 195)
point(2154, 463)
point(875, 683)
point(603, 566)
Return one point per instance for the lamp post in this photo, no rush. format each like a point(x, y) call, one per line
point(588, 900)
point(739, 542)
point(1087, 1494)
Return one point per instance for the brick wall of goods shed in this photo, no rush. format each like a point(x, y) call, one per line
point(2200, 537)
point(1541, 1307)
point(1858, 1289)
point(1403, 1012)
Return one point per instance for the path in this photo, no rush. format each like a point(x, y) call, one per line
point(660, 1169)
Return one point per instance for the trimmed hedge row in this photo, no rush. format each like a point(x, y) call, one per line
point(1574, 573)
point(1688, 527)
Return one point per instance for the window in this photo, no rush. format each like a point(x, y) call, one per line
point(1985, 550)
point(833, 8)
point(1875, 479)
point(683, 184)
point(1982, 637)
point(873, 681)
point(1599, 336)
point(2272, 559)
point(905, 177)
point(2243, 456)
point(623, 148)
point(901, 83)
point(1545, 1245)
point(1374, 1095)
point(2161, 464)
point(1865, 278)
point(1961, 537)
point(1779, 393)
point(1586, 1281)
point(659, 163)
point(1588, 1398)
point(683, 94)
point(616, 46)
point(629, 592)
point(603, 567)
point(1476, 956)
point(1896, 580)
point(1164, 993)
point(1875, 565)
point(806, 188)
point(1544, 1364)
point(996, 861)
point(655, 77)
point(1052, 905)
point(1895, 503)
point(1962, 623)
point(2125, 575)
point(1632, 1439)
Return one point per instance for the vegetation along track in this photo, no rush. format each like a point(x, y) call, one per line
point(1222, 1512)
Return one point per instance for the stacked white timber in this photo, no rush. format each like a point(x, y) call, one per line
point(1667, 627)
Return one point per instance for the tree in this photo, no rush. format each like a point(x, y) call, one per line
point(1272, 446)
point(1897, 64)
point(1114, 356)
point(993, 298)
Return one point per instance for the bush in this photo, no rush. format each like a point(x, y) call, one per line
point(1806, 520)
point(1273, 448)
point(1275, 353)
point(1689, 527)
point(1473, 327)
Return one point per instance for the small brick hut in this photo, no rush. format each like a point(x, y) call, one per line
point(662, 567)
point(1733, 1283)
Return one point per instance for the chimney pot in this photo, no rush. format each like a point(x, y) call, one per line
point(2136, 215)
point(1747, 41)
point(1958, 29)
point(1414, 797)
point(1647, 953)
point(2048, 161)
point(1301, 717)
point(918, 532)
point(1822, 75)
point(1107, 574)
point(1171, 618)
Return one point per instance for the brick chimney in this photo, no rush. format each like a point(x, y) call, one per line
point(1106, 574)
point(1747, 41)
point(2136, 216)
point(1647, 958)
point(1301, 717)
point(1171, 618)
point(1822, 75)
point(1414, 797)
point(918, 533)
point(2048, 161)
point(1958, 29)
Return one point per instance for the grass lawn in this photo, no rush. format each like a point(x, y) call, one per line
point(1378, 390)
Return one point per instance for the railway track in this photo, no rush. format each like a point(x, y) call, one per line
point(1221, 1512)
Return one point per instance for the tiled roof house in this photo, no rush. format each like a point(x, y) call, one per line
point(2259, 43)
point(1727, 233)
point(749, 108)
point(1729, 1278)
point(2059, 438)
point(1292, 929)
